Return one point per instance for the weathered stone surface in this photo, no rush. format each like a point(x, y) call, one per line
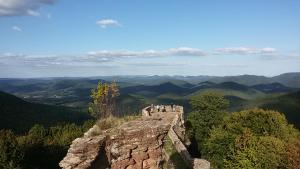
point(136, 144)
point(83, 152)
point(141, 141)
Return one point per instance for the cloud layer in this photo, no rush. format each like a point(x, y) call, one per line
point(181, 51)
point(104, 56)
point(182, 60)
point(104, 23)
point(22, 7)
point(245, 50)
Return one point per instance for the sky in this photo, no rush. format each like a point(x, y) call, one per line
point(67, 38)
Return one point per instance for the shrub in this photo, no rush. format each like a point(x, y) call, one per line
point(10, 153)
point(253, 138)
point(208, 112)
point(293, 153)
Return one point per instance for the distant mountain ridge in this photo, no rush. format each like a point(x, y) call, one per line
point(138, 91)
point(288, 79)
point(188, 88)
point(75, 92)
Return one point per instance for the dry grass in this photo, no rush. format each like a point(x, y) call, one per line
point(110, 123)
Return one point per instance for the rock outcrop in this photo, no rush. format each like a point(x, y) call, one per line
point(83, 153)
point(135, 144)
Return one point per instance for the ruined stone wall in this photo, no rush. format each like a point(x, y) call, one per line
point(83, 153)
point(135, 144)
point(177, 134)
point(138, 144)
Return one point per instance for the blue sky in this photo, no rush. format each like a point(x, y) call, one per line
point(41, 38)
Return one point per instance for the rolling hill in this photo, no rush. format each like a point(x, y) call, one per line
point(20, 115)
point(137, 91)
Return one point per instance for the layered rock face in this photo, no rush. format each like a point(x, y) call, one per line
point(86, 152)
point(139, 144)
point(136, 144)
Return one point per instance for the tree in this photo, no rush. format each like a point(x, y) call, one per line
point(104, 100)
point(208, 112)
point(10, 153)
point(253, 138)
point(46, 147)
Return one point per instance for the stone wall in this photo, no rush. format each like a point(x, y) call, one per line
point(135, 144)
point(83, 153)
point(177, 134)
point(138, 144)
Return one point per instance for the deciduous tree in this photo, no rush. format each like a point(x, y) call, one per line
point(104, 100)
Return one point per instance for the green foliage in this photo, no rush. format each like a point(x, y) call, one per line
point(40, 147)
point(288, 104)
point(251, 139)
point(255, 152)
point(208, 112)
point(10, 153)
point(261, 122)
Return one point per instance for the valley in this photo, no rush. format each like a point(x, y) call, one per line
point(137, 92)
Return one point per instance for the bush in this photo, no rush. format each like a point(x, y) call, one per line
point(253, 138)
point(208, 112)
point(10, 153)
point(293, 153)
point(45, 148)
point(261, 122)
point(255, 152)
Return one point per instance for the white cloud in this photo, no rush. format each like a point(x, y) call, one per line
point(185, 51)
point(47, 60)
point(16, 28)
point(104, 23)
point(245, 50)
point(112, 56)
point(181, 51)
point(22, 7)
point(268, 50)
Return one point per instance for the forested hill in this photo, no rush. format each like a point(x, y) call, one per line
point(19, 115)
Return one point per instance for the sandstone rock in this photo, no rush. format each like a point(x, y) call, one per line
point(136, 144)
point(82, 152)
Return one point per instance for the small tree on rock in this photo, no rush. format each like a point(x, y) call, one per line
point(104, 100)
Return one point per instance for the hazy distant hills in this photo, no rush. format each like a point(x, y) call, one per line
point(20, 115)
point(287, 79)
point(243, 91)
point(75, 92)
point(189, 89)
point(272, 88)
